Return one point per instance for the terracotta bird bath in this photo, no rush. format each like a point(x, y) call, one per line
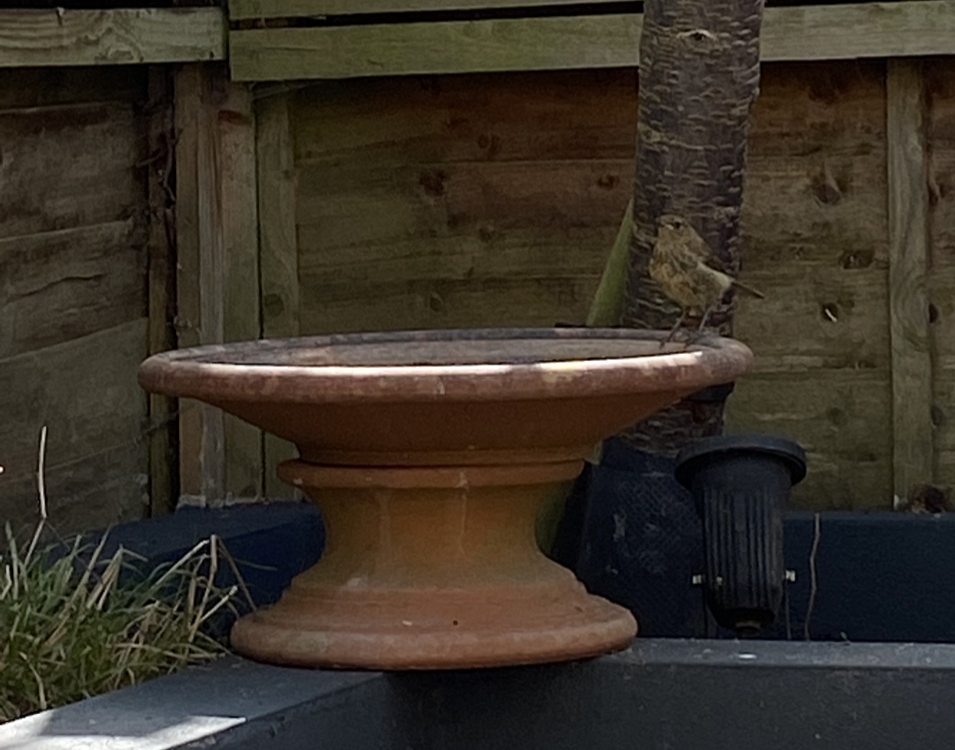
point(429, 454)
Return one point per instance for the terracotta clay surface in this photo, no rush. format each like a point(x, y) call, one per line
point(430, 454)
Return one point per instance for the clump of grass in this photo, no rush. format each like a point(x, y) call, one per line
point(75, 623)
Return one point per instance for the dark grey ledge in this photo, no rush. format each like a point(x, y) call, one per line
point(660, 694)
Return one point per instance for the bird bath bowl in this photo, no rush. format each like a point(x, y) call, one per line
point(429, 454)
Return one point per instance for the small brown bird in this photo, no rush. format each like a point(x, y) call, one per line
point(688, 271)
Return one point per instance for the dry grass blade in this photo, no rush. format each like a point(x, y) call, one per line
point(74, 623)
point(102, 630)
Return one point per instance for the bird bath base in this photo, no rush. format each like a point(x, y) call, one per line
point(430, 455)
point(430, 568)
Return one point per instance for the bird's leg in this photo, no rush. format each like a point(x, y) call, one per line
point(673, 330)
point(706, 315)
point(699, 332)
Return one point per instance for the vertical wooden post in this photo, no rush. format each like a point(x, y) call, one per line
point(163, 471)
point(240, 301)
point(278, 250)
point(200, 427)
point(217, 281)
point(908, 266)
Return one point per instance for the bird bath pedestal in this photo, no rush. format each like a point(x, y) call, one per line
point(429, 455)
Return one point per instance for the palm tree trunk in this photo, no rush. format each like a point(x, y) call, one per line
point(699, 76)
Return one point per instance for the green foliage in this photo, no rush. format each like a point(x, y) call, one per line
point(71, 627)
point(607, 305)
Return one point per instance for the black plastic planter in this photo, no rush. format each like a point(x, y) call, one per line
point(741, 485)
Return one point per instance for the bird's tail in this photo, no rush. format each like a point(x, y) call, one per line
point(748, 289)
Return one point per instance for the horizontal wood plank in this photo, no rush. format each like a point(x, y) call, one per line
point(784, 219)
point(248, 10)
point(64, 285)
point(85, 391)
point(423, 48)
point(815, 243)
point(859, 30)
point(586, 114)
point(33, 88)
point(245, 10)
point(92, 492)
point(487, 200)
point(485, 243)
point(31, 38)
point(435, 304)
point(814, 222)
point(817, 318)
point(843, 420)
point(493, 200)
point(70, 165)
point(816, 188)
point(826, 32)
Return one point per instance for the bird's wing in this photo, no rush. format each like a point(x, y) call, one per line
point(704, 253)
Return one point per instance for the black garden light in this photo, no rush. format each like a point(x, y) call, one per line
point(741, 485)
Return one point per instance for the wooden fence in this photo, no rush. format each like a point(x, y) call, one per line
point(436, 169)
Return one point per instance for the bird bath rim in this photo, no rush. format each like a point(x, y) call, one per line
point(206, 372)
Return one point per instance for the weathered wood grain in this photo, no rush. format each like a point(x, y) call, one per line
point(368, 206)
point(422, 48)
point(834, 320)
point(469, 202)
point(913, 450)
point(70, 165)
point(90, 493)
point(57, 37)
point(73, 268)
point(240, 293)
point(815, 243)
point(199, 279)
point(277, 190)
point(859, 30)
point(816, 181)
point(218, 286)
point(163, 445)
point(63, 285)
point(812, 32)
point(881, 19)
point(241, 10)
point(940, 147)
point(825, 208)
point(187, 93)
point(943, 410)
point(940, 127)
point(837, 416)
point(449, 304)
point(48, 87)
point(85, 391)
point(278, 248)
point(587, 114)
point(494, 200)
point(431, 240)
